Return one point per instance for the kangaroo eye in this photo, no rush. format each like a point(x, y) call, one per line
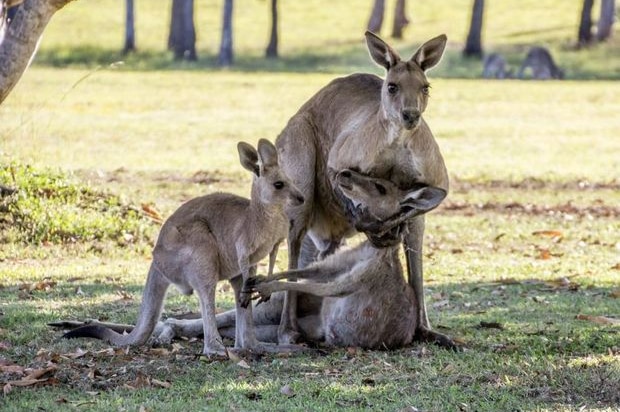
point(381, 189)
point(278, 185)
point(426, 90)
point(392, 88)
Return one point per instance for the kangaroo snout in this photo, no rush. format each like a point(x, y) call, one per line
point(410, 118)
point(296, 199)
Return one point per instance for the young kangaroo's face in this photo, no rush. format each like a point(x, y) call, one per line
point(405, 91)
point(271, 185)
point(383, 199)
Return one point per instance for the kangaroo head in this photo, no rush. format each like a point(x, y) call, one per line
point(382, 199)
point(405, 90)
point(270, 185)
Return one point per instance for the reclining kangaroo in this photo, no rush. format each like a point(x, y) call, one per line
point(211, 238)
point(364, 299)
point(373, 126)
point(543, 67)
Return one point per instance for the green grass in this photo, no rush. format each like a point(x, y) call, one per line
point(85, 144)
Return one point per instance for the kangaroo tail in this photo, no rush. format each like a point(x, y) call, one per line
point(150, 310)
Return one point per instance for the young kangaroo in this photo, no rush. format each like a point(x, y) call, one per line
point(366, 301)
point(495, 67)
point(374, 126)
point(543, 67)
point(212, 238)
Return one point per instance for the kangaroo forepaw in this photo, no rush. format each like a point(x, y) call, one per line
point(439, 339)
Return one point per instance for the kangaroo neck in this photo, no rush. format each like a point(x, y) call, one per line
point(394, 132)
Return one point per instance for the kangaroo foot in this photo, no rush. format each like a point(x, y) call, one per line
point(214, 349)
point(424, 334)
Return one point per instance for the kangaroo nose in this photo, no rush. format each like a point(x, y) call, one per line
point(411, 117)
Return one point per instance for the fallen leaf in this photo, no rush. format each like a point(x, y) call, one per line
point(287, 391)
point(152, 213)
point(616, 266)
point(544, 254)
point(141, 381)
point(75, 355)
point(601, 320)
point(243, 364)
point(441, 304)
point(548, 233)
point(159, 351)
point(615, 293)
point(161, 384)
point(12, 369)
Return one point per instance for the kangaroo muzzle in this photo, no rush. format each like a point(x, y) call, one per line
point(410, 118)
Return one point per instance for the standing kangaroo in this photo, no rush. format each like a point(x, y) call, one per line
point(374, 126)
point(366, 301)
point(211, 238)
point(543, 67)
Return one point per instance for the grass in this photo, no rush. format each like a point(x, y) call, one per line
point(528, 239)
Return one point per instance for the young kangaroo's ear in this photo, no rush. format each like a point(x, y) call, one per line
point(429, 54)
point(381, 52)
point(267, 153)
point(248, 157)
point(423, 200)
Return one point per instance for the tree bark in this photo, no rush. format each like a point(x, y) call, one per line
point(376, 16)
point(272, 47)
point(606, 20)
point(585, 23)
point(130, 33)
point(182, 37)
point(400, 19)
point(20, 40)
point(226, 55)
point(473, 46)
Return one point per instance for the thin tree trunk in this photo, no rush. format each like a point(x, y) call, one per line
point(130, 34)
point(400, 19)
point(376, 16)
point(473, 46)
point(226, 56)
point(606, 20)
point(182, 37)
point(272, 47)
point(21, 38)
point(585, 23)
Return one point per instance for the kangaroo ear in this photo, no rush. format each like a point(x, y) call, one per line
point(429, 54)
point(248, 157)
point(381, 52)
point(423, 200)
point(267, 153)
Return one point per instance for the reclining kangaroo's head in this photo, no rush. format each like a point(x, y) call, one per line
point(383, 199)
point(404, 95)
point(271, 185)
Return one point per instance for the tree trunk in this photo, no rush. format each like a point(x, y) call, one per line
point(473, 46)
point(20, 40)
point(400, 19)
point(272, 47)
point(130, 34)
point(376, 16)
point(606, 20)
point(3, 22)
point(225, 57)
point(182, 38)
point(585, 23)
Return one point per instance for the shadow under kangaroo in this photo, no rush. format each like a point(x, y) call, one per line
point(363, 298)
